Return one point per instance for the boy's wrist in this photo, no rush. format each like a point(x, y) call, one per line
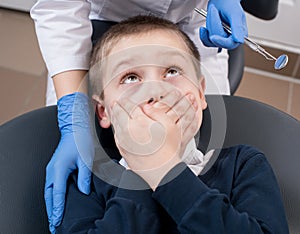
point(154, 176)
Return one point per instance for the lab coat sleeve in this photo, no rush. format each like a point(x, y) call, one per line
point(64, 33)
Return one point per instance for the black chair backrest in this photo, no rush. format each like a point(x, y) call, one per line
point(273, 132)
point(28, 142)
point(236, 63)
point(26, 146)
point(263, 9)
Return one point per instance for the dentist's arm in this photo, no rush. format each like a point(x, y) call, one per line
point(64, 33)
point(70, 82)
point(75, 149)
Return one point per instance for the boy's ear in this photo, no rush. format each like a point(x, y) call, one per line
point(202, 87)
point(101, 112)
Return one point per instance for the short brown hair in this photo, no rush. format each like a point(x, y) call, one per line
point(134, 25)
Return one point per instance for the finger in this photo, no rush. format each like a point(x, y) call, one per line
point(156, 114)
point(119, 133)
point(52, 229)
point(131, 108)
point(120, 115)
point(188, 124)
point(179, 109)
point(204, 36)
point(238, 25)
point(169, 100)
point(84, 178)
point(127, 105)
point(58, 207)
point(187, 118)
point(59, 193)
point(190, 130)
point(214, 22)
point(48, 196)
point(128, 133)
point(224, 42)
point(48, 190)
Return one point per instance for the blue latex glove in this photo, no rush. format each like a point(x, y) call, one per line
point(231, 13)
point(75, 151)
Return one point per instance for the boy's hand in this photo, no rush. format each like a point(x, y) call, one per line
point(152, 137)
point(182, 110)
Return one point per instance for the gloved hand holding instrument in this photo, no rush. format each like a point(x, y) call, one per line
point(219, 33)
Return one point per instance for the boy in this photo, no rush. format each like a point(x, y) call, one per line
point(147, 84)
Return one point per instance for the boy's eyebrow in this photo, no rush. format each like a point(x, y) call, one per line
point(126, 62)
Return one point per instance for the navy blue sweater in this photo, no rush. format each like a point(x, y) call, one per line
point(237, 194)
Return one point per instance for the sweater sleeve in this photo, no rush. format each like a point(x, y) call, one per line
point(253, 205)
point(64, 33)
point(114, 210)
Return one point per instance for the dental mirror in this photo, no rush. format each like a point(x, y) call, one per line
point(281, 62)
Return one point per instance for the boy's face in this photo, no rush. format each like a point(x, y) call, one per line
point(146, 67)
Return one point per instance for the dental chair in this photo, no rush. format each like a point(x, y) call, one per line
point(28, 142)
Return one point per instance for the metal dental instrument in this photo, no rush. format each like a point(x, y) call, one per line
point(280, 62)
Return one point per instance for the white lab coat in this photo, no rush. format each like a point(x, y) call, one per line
point(64, 32)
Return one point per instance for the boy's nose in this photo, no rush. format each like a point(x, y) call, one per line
point(153, 90)
point(156, 91)
point(148, 92)
point(151, 100)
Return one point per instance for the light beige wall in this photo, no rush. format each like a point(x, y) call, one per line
point(261, 82)
point(22, 70)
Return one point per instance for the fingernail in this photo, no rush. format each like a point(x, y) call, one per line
point(191, 97)
point(195, 105)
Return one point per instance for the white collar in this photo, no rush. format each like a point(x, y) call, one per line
point(193, 157)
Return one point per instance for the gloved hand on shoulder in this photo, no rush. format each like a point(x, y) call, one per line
point(74, 151)
point(229, 12)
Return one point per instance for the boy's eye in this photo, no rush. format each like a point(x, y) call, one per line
point(129, 79)
point(173, 71)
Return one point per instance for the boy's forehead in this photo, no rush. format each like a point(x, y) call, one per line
point(145, 55)
point(160, 37)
